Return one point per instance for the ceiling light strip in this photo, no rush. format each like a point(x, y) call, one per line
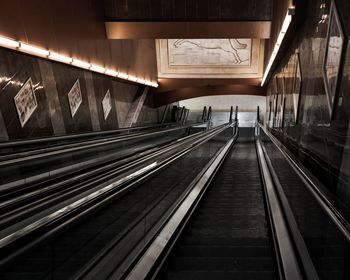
point(286, 23)
point(37, 51)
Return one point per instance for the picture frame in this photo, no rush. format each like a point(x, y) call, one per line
point(25, 102)
point(75, 98)
point(106, 104)
point(297, 85)
point(333, 58)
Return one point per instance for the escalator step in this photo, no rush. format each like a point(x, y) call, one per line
point(220, 275)
point(211, 263)
point(223, 251)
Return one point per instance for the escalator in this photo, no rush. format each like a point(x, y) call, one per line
point(67, 242)
point(227, 236)
point(214, 207)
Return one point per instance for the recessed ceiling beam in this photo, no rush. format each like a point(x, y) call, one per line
point(168, 97)
point(188, 30)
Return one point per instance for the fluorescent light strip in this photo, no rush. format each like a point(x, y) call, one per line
point(27, 48)
point(111, 73)
point(123, 76)
point(60, 58)
point(5, 42)
point(81, 63)
point(285, 26)
point(132, 78)
point(33, 50)
point(97, 68)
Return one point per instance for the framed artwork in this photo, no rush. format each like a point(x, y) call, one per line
point(25, 102)
point(106, 104)
point(75, 98)
point(333, 56)
point(297, 87)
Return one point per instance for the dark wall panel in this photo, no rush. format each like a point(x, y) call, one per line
point(52, 82)
point(319, 140)
point(15, 69)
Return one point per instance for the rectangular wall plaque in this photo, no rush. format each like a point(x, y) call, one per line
point(106, 104)
point(25, 102)
point(75, 98)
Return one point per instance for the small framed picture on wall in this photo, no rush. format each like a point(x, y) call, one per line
point(25, 102)
point(106, 104)
point(333, 59)
point(75, 98)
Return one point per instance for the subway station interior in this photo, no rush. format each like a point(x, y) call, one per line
point(175, 139)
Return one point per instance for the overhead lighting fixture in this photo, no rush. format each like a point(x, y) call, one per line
point(60, 58)
point(283, 31)
point(97, 68)
point(132, 78)
point(141, 81)
point(123, 76)
point(33, 50)
point(5, 42)
point(81, 63)
point(111, 73)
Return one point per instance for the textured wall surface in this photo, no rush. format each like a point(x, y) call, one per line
point(76, 28)
point(52, 81)
point(319, 140)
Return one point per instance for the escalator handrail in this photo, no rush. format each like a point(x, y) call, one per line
point(337, 218)
point(148, 261)
point(8, 144)
point(75, 206)
point(67, 148)
point(127, 164)
point(308, 268)
point(287, 261)
point(14, 143)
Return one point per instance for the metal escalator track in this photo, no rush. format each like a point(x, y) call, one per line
point(227, 236)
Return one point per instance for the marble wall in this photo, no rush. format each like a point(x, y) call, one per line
point(320, 140)
point(51, 83)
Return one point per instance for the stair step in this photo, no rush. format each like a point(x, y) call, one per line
point(223, 251)
point(231, 264)
point(220, 275)
point(218, 240)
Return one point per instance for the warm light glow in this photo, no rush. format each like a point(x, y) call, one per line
point(97, 68)
point(81, 63)
point(132, 78)
point(123, 76)
point(27, 48)
point(285, 26)
point(8, 42)
point(32, 49)
point(141, 81)
point(111, 73)
point(59, 57)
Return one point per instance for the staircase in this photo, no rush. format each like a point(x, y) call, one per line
point(227, 237)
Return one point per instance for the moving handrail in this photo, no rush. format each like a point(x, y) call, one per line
point(67, 148)
point(148, 264)
point(9, 207)
point(106, 193)
point(15, 143)
point(150, 253)
point(337, 218)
